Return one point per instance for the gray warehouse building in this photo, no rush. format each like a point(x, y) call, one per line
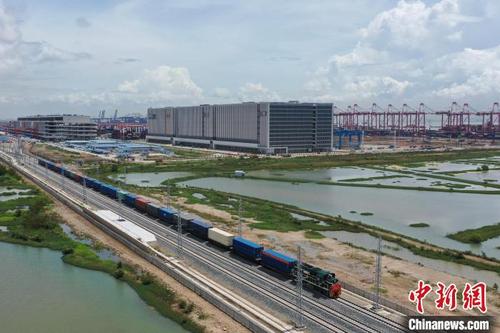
point(56, 127)
point(266, 127)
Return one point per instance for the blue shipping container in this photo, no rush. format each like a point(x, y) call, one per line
point(96, 185)
point(278, 262)
point(130, 199)
point(108, 190)
point(166, 215)
point(246, 248)
point(89, 182)
point(152, 210)
point(186, 218)
point(199, 228)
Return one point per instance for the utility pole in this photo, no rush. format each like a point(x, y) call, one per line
point(46, 172)
point(179, 235)
point(240, 220)
point(62, 177)
point(378, 273)
point(168, 195)
point(84, 192)
point(300, 319)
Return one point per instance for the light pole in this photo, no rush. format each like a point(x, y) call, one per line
point(300, 319)
point(179, 235)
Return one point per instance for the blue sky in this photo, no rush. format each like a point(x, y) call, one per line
point(83, 56)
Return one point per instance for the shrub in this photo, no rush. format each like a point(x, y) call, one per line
point(146, 279)
point(475, 239)
point(37, 238)
point(118, 274)
point(189, 308)
point(68, 251)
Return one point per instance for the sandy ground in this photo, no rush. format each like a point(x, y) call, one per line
point(214, 320)
point(352, 265)
point(357, 266)
point(59, 155)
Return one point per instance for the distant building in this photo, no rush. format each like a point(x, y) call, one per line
point(266, 127)
point(56, 127)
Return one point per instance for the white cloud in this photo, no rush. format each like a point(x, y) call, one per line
point(256, 92)
point(359, 56)
point(16, 52)
point(222, 92)
point(488, 82)
point(408, 51)
point(404, 52)
point(369, 87)
point(455, 36)
point(162, 84)
point(470, 73)
point(413, 23)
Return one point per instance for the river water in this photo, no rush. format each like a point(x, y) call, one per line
point(148, 179)
point(392, 209)
point(40, 293)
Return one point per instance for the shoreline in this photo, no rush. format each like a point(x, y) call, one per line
point(158, 290)
point(426, 250)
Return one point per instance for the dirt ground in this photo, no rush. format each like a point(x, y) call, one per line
point(54, 154)
point(357, 266)
point(424, 142)
point(214, 320)
point(350, 264)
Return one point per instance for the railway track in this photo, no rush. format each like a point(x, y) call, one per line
point(351, 317)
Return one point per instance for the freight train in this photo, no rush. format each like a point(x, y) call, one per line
point(315, 278)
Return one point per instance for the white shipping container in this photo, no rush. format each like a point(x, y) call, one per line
point(220, 237)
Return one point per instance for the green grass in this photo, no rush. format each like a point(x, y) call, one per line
point(274, 216)
point(227, 165)
point(476, 236)
point(6, 219)
point(373, 178)
point(270, 216)
point(419, 225)
point(40, 227)
point(313, 234)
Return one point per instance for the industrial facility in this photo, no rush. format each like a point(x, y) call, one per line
point(55, 127)
point(265, 127)
point(456, 121)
